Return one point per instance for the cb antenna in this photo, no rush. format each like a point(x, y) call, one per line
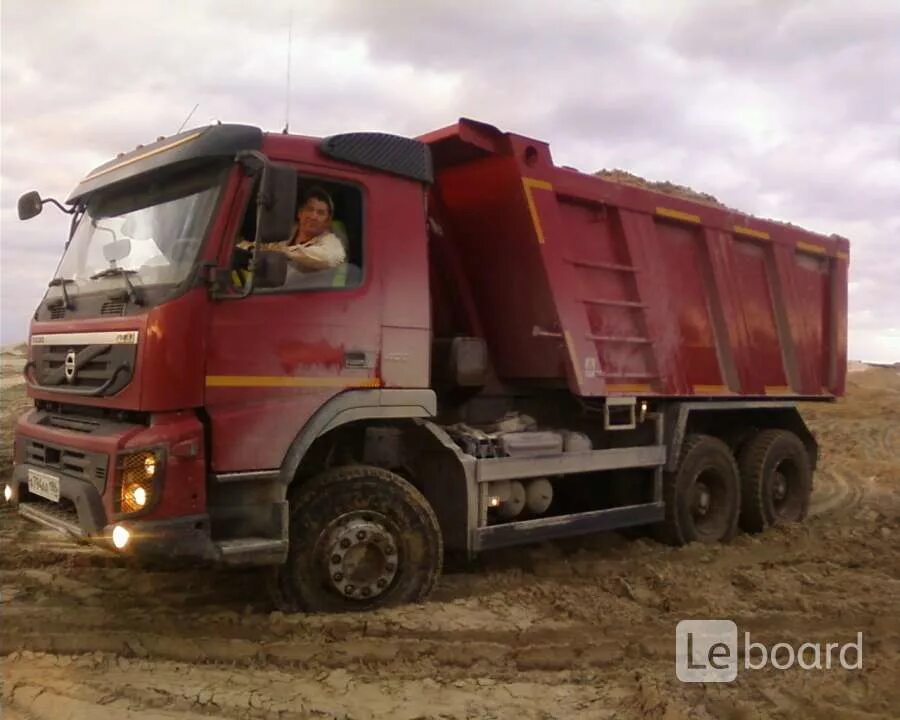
point(187, 118)
point(287, 82)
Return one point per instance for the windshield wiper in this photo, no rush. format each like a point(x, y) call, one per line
point(133, 295)
point(60, 282)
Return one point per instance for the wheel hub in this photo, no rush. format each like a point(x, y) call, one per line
point(779, 487)
point(360, 556)
point(702, 499)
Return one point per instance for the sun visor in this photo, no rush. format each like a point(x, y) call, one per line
point(200, 143)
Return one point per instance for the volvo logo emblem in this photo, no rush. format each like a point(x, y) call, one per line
point(70, 366)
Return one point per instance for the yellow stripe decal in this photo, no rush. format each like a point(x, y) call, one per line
point(842, 255)
point(629, 388)
point(280, 381)
point(810, 248)
point(530, 184)
point(762, 234)
point(144, 156)
point(678, 215)
point(778, 390)
point(711, 389)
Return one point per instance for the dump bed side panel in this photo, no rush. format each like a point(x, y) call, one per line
point(617, 289)
point(698, 302)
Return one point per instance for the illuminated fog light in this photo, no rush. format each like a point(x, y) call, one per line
point(120, 537)
point(493, 501)
point(7, 493)
point(150, 465)
point(140, 496)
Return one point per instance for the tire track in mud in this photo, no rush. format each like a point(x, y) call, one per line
point(103, 687)
point(836, 491)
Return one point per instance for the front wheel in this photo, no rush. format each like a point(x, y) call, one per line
point(360, 538)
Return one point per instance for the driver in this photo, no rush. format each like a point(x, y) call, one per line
point(312, 245)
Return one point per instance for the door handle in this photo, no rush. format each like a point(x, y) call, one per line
point(359, 359)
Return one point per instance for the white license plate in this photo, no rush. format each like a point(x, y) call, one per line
point(40, 483)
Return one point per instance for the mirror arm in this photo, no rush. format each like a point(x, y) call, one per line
point(77, 213)
point(67, 211)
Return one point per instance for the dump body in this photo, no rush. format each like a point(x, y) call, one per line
point(617, 289)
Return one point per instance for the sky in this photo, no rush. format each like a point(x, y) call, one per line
point(788, 109)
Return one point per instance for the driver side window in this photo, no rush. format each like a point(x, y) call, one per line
point(326, 247)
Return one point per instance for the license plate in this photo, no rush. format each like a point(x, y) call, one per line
point(47, 486)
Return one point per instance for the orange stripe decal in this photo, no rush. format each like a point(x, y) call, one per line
point(529, 185)
point(743, 230)
point(711, 390)
point(629, 387)
point(677, 215)
point(810, 248)
point(246, 381)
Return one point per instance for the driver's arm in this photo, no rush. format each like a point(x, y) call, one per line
point(324, 252)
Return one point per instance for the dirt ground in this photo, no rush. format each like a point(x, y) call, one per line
point(577, 629)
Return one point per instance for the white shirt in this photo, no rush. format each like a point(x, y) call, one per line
point(321, 253)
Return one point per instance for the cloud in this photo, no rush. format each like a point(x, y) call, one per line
point(784, 109)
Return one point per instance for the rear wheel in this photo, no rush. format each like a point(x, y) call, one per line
point(776, 480)
point(360, 538)
point(702, 496)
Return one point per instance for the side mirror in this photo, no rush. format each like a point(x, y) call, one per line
point(277, 203)
point(30, 204)
point(271, 269)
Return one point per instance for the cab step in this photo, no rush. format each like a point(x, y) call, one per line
point(252, 551)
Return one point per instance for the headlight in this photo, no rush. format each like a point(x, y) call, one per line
point(120, 537)
point(137, 475)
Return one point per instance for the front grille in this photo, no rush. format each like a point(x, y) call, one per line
point(112, 307)
point(89, 366)
point(68, 461)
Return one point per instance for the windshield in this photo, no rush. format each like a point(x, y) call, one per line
point(153, 230)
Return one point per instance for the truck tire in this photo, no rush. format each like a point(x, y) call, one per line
point(776, 480)
point(703, 496)
point(360, 538)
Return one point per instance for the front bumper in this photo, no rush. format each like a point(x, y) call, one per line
point(176, 524)
point(80, 515)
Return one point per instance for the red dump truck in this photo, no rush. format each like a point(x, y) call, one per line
point(510, 352)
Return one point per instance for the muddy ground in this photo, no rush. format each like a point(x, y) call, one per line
point(576, 629)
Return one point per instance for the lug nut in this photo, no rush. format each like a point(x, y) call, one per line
point(335, 559)
point(345, 543)
point(349, 590)
point(366, 592)
point(337, 577)
point(389, 567)
point(390, 550)
point(381, 582)
point(361, 535)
